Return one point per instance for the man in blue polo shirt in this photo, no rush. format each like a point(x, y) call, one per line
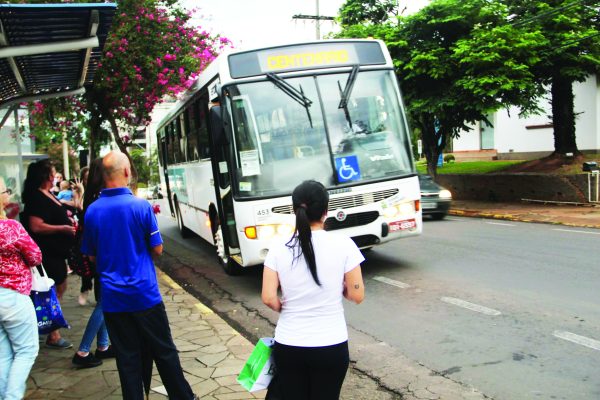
point(121, 234)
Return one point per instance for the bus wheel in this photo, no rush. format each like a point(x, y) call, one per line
point(185, 232)
point(229, 265)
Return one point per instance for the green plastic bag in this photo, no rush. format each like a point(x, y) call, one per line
point(258, 371)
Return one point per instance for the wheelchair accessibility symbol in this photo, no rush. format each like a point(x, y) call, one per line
point(347, 168)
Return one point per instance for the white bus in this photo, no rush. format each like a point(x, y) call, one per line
point(257, 123)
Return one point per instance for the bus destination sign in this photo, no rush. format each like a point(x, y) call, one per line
point(308, 56)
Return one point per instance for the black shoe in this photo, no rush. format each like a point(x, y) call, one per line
point(108, 353)
point(88, 361)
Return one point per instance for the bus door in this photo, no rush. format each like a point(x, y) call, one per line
point(165, 156)
point(222, 180)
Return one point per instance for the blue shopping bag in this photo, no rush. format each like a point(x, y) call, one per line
point(48, 311)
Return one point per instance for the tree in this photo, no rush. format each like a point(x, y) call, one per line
point(571, 31)
point(355, 12)
point(151, 52)
point(457, 61)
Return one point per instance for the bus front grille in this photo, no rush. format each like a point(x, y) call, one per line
point(356, 200)
point(351, 220)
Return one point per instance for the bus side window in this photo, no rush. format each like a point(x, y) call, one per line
point(183, 137)
point(176, 135)
point(192, 133)
point(203, 139)
point(162, 149)
point(170, 144)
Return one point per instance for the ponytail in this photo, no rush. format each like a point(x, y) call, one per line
point(310, 200)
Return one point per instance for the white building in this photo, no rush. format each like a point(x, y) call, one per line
point(512, 137)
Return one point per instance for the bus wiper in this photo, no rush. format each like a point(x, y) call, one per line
point(345, 94)
point(295, 94)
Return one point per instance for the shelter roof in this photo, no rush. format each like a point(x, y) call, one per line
point(50, 50)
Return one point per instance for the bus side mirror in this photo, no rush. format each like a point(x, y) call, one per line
point(216, 126)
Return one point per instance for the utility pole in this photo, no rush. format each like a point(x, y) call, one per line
point(318, 18)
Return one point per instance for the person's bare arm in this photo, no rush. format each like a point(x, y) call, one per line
point(38, 226)
point(269, 289)
point(156, 251)
point(354, 288)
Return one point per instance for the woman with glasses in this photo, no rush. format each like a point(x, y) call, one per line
point(18, 324)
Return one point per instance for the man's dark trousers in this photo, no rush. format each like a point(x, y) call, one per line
point(131, 334)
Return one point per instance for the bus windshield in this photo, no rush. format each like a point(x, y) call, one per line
point(316, 127)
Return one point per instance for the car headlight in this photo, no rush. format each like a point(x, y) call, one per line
point(445, 194)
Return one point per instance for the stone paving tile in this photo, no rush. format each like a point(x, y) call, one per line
point(210, 351)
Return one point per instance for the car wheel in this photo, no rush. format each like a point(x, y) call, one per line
point(438, 216)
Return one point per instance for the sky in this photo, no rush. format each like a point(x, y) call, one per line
point(258, 23)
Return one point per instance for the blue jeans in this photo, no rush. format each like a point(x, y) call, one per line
point(18, 342)
point(95, 326)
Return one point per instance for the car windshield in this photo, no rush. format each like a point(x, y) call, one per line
point(313, 128)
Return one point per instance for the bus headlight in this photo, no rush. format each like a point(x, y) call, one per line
point(268, 231)
point(445, 194)
point(407, 208)
point(400, 209)
point(390, 212)
point(285, 230)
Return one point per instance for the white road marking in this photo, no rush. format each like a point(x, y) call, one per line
point(499, 223)
point(392, 282)
point(470, 306)
point(582, 340)
point(574, 231)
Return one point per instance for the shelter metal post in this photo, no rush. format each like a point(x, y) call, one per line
point(18, 142)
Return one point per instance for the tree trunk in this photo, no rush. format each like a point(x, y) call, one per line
point(563, 116)
point(430, 144)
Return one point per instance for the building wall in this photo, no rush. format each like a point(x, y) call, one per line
point(534, 134)
point(469, 140)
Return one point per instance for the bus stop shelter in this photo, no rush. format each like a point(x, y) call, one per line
point(46, 51)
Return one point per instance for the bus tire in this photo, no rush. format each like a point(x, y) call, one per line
point(185, 232)
point(229, 265)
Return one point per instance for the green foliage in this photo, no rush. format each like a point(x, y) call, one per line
point(471, 167)
point(354, 12)
point(147, 168)
point(571, 32)
point(140, 162)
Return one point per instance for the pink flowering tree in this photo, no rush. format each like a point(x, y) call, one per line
point(151, 52)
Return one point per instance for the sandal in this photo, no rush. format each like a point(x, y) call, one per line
point(60, 344)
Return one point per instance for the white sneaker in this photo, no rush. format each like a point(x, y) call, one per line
point(82, 299)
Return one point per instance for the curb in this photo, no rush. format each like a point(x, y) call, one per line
point(516, 218)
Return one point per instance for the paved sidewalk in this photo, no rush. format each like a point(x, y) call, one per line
point(211, 352)
point(587, 216)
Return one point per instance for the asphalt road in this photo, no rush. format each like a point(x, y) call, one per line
point(512, 309)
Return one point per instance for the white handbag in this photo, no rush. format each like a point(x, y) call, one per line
point(40, 283)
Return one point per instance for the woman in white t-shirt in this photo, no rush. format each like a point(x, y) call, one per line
point(314, 269)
